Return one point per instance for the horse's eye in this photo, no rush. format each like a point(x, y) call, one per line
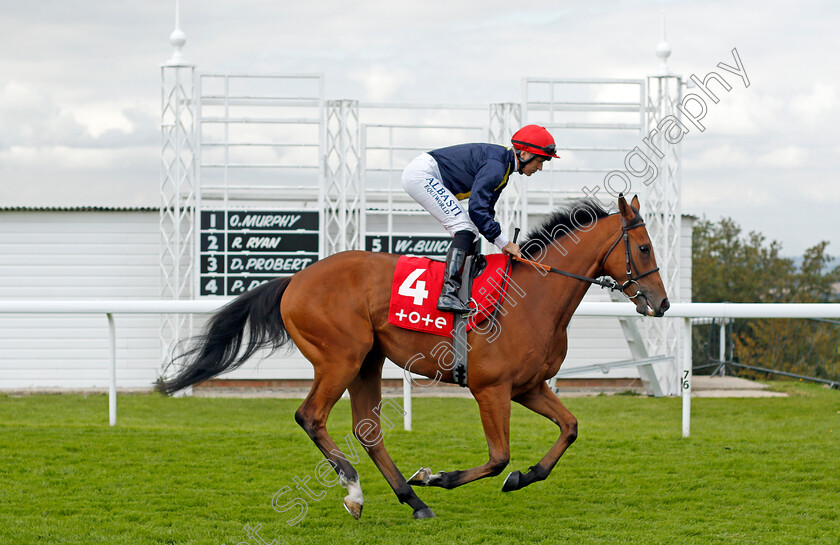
point(645, 249)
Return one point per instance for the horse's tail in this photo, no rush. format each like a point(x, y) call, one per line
point(217, 350)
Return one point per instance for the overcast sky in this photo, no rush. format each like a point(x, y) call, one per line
point(80, 85)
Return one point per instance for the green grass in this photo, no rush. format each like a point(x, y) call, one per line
point(195, 470)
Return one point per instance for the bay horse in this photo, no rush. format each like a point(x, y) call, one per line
point(336, 313)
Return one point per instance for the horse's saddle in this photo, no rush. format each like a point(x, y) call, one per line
point(416, 287)
point(415, 291)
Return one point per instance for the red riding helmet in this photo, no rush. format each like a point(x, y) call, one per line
point(535, 139)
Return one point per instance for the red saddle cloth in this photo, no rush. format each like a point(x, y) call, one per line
point(416, 288)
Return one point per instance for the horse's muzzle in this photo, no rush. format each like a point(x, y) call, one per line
point(644, 306)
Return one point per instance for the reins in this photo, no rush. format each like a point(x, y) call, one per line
point(607, 283)
point(603, 282)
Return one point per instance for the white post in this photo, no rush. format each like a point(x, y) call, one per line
point(722, 352)
point(406, 402)
point(686, 378)
point(112, 386)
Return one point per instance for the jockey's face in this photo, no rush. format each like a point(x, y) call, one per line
point(531, 166)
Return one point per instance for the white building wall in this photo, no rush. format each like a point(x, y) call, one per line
point(95, 254)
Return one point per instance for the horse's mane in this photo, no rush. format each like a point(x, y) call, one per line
point(580, 213)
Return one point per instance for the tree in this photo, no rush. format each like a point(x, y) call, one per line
point(731, 267)
point(728, 267)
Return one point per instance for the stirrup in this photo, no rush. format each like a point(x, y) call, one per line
point(450, 308)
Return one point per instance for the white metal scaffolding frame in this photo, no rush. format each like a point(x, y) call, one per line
point(215, 125)
point(663, 214)
point(343, 194)
point(258, 136)
point(511, 210)
point(572, 109)
point(178, 195)
point(592, 133)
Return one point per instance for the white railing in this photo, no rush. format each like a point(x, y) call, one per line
point(686, 311)
point(109, 307)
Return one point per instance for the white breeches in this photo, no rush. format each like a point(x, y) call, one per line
point(421, 179)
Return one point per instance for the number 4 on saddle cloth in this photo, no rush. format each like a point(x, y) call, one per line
point(416, 288)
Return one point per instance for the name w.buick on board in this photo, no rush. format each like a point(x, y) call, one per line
point(421, 247)
point(408, 245)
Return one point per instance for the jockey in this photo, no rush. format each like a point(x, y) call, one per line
point(440, 178)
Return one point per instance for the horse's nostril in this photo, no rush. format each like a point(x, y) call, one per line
point(665, 305)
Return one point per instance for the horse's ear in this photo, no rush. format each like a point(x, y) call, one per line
point(626, 211)
point(635, 203)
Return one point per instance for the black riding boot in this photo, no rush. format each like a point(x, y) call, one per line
point(454, 268)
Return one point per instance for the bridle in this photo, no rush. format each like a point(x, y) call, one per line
point(608, 283)
point(628, 257)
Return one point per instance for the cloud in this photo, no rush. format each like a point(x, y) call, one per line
point(726, 155)
point(72, 158)
point(786, 157)
point(33, 118)
point(825, 190)
point(723, 192)
point(100, 117)
point(64, 176)
point(80, 96)
point(813, 106)
point(744, 112)
point(30, 117)
point(383, 83)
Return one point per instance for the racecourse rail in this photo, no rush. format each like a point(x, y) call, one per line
point(686, 311)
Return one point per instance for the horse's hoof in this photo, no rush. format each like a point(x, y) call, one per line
point(512, 481)
point(353, 508)
point(421, 477)
point(425, 513)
